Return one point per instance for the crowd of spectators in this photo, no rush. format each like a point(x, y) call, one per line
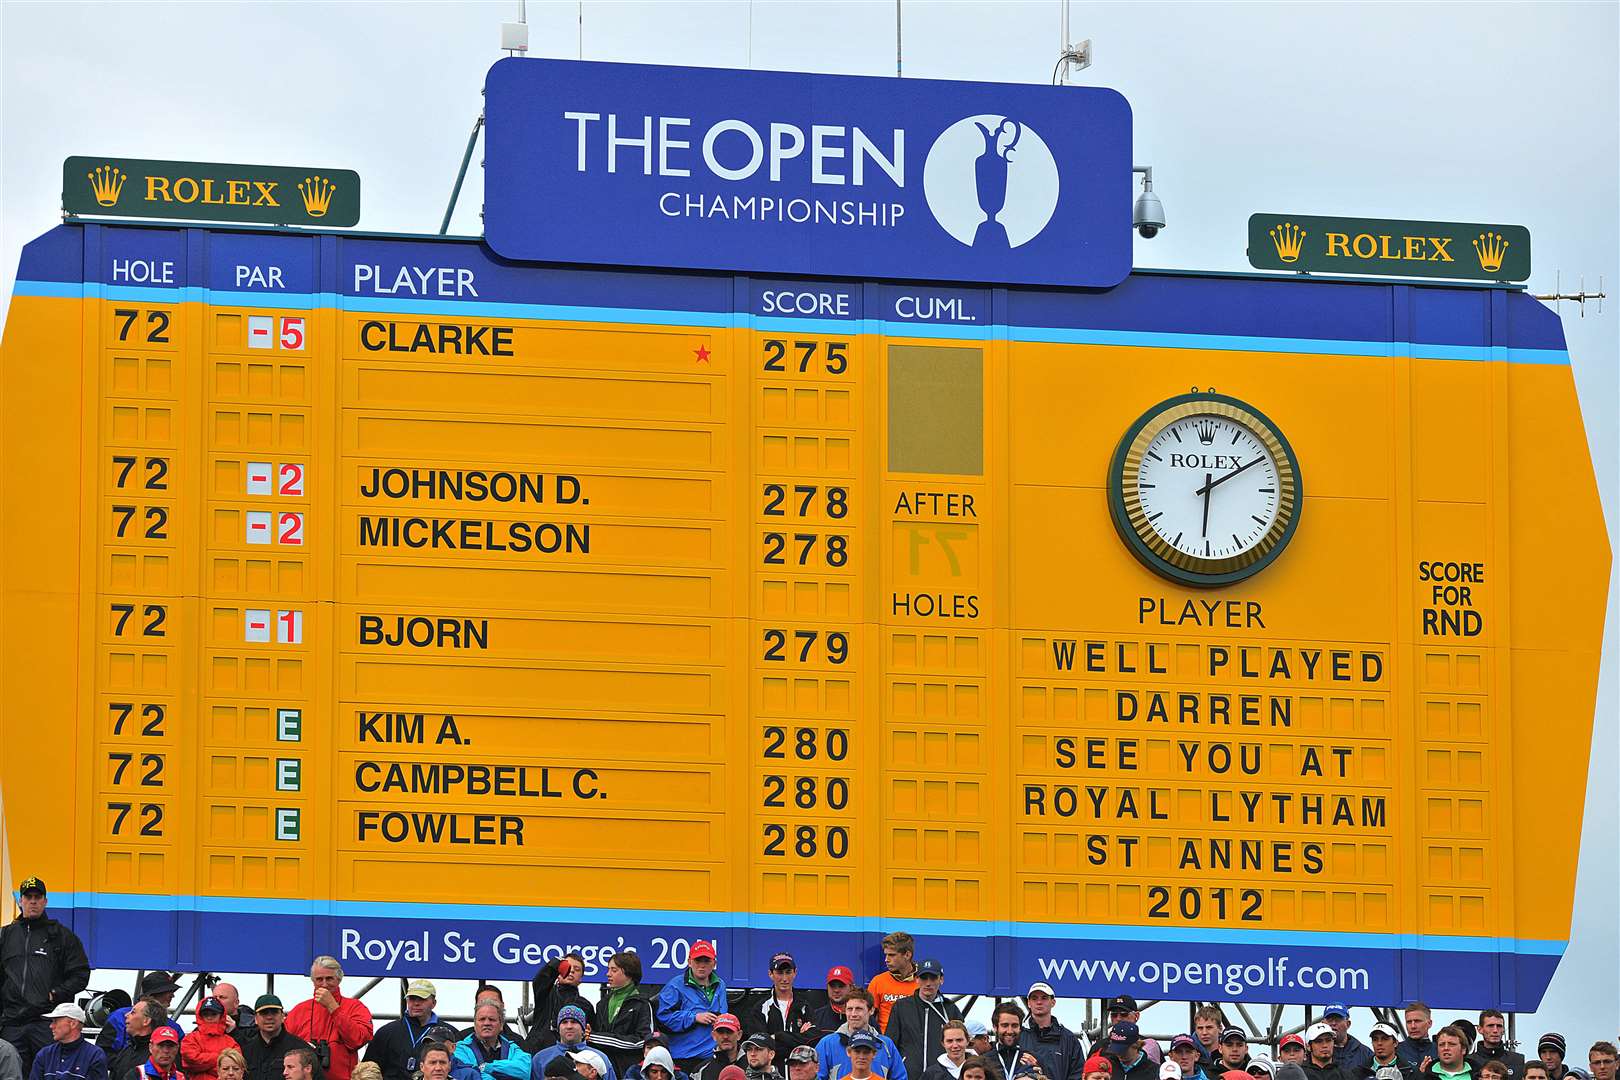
point(898, 1026)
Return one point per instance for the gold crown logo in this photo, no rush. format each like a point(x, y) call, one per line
point(1288, 238)
point(317, 192)
point(1490, 247)
point(108, 183)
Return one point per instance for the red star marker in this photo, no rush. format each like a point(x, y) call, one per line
point(702, 354)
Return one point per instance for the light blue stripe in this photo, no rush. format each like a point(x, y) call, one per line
point(813, 923)
point(728, 319)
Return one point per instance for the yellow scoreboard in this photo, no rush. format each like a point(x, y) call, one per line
point(1203, 637)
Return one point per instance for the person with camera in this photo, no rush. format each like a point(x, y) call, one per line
point(268, 1042)
point(337, 1027)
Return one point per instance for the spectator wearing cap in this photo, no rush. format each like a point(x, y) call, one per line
point(343, 1024)
point(1056, 1047)
point(802, 1063)
point(589, 1064)
point(897, 981)
point(1124, 1007)
point(1291, 1050)
point(200, 1050)
point(1418, 1048)
point(1451, 1055)
point(830, 1017)
point(832, 1056)
point(1187, 1054)
point(1320, 1062)
point(573, 1034)
point(237, 1015)
point(42, 965)
point(556, 985)
point(163, 1057)
point(156, 987)
point(1492, 1030)
point(267, 1043)
point(139, 1021)
point(947, 1065)
point(689, 1005)
point(1097, 1067)
point(492, 1053)
point(393, 1047)
point(979, 1041)
point(863, 1048)
point(1207, 1024)
point(1262, 1066)
point(759, 1057)
point(1551, 1048)
point(624, 1015)
point(1233, 1046)
point(67, 1056)
point(727, 1031)
point(1008, 1060)
point(1124, 1049)
point(786, 1014)
point(1385, 1039)
point(1168, 1070)
point(1601, 1059)
point(1349, 1052)
point(917, 1023)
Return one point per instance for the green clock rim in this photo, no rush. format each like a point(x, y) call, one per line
point(1144, 554)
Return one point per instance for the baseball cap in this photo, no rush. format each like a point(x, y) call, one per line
point(571, 1012)
point(1335, 1010)
point(1122, 1003)
point(840, 973)
point(158, 982)
point(1233, 1034)
point(1260, 1065)
point(803, 1053)
point(1169, 1070)
point(1382, 1028)
point(977, 1028)
point(759, 1039)
point(211, 1004)
point(591, 1058)
point(267, 1001)
point(863, 1039)
point(165, 1033)
point(440, 1032)
point(783, 960)
point(1122, 1035)
point(725, 1021)
point(1235, 1074)
point(1096, 1063)
point(421, 988)
point(930, 967)
point(1551, 1041)
point(1316, 1031)
point(732, 1072)
point(66, 1011)
point(32, 884)
point(1040, 988)
point(700, 949)
point(1293, 1038)
point(1177, 1042)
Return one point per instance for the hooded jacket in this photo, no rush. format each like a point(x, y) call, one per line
point(42, 964)
point(918, 1029)
point(77, 1060)
point(1057, 1049)
point(346, 1029)
point(679, 1002)
point(508, 1060)
point(199, 1051)
point(833, 1054)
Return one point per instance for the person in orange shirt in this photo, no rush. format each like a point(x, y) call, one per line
point(342, 1024)
point(899, 981)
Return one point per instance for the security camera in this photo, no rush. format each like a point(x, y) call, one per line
point(1148, 215)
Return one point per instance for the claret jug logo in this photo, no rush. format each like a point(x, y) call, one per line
point(1288, 238)
point(991, 182)
point(107, 183)
point(317, 192)
point(1490, 248)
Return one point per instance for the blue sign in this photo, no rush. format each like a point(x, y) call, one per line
point(778, 172)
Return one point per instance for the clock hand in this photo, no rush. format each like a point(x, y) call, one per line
point(1208, 483)
point(1204, 491)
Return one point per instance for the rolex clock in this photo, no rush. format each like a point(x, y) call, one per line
point(1204, 489)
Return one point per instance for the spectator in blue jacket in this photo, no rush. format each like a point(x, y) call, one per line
point(571, 1033)
point(688, 1005)
point(68, 1057)
point(832, 1052)
point(493, 1054)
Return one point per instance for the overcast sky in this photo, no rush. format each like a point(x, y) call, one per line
point(1465, 112)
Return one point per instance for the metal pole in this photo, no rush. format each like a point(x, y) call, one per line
point(455, 192)
point(898, 72)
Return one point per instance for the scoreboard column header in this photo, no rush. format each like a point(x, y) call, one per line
point(785, 172)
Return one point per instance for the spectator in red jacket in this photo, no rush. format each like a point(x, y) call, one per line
point(200, 1050)
point(343, 1024)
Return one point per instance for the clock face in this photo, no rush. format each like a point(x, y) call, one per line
point(1204, 489)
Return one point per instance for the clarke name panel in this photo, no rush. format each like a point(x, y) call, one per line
point(377, 586)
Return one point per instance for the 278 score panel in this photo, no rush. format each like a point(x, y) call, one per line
point(807, 728)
